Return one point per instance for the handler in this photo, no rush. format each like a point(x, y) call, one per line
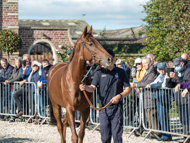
point(111, 82)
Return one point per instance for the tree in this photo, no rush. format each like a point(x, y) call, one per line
point(167, 28)
point(9, 42)
point(63, 54)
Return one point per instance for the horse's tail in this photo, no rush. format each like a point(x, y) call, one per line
point(52, 117)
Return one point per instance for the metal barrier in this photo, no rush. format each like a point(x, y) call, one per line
point(132, 111)
point(26, 94)
point(157, 110)
point(161, 116)
point(6, 104)
point(94, 114)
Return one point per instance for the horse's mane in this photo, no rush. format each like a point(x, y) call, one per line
point(73, 52)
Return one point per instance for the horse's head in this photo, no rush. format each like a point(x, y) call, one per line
point(93, 50)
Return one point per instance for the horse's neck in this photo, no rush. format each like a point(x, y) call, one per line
point(78, 65)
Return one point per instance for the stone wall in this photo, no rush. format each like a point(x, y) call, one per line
point(9, 15)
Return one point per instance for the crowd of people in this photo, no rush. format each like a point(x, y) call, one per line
point(24, 71)
point(146, 73)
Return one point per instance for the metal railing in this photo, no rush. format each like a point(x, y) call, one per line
point(157, 110)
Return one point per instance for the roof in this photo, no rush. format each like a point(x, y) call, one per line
point(133, 32)
point(76, 26)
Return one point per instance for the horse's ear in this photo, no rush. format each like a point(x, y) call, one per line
point(84, 32)
point(90, 30)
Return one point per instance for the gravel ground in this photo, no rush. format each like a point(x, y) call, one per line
point(19, 132)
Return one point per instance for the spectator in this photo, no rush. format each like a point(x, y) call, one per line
point(69, 53)
point(181, 76)
point(6, 71)
point(34, 76)
point(149, 104)
point(121, 64)
point(163, 104)
point(43, 97)
point(137, 70)
point(26, 69)
point(16, 76)
point(153, 61)
point(185, 57)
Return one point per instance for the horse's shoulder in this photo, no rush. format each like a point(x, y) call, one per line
point(57, 66)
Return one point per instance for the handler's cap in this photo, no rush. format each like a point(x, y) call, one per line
point(161, 65)
point(69, 51)
point(138, 60)
point(177, 61)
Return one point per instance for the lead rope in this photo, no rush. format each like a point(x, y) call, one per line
point(89, 102)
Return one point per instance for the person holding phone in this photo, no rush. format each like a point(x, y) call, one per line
point(25, 71)
point(181, 76)
point(26, 67)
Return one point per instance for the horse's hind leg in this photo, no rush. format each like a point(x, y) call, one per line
point(57, 114)
point(70, 117)
point(83, 118)
point(65, 121)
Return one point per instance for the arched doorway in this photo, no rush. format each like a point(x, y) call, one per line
point(42, 49)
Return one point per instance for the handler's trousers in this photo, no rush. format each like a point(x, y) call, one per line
point(111, 122)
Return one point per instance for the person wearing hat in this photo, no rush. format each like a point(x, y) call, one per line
point(148, 104)
point(69, 53)
point(121, 64)
point(182, 75)
point(137, 70)
point(161, 97)
point(34, 76)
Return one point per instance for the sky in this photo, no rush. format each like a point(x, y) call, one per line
point(109, 14)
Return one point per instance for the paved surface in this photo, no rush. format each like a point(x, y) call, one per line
point(30, 133)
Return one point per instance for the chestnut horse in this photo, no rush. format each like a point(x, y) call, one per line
point(64, 80)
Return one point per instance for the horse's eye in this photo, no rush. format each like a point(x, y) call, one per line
point(91, 44)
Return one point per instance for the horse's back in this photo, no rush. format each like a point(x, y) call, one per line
point(55, 68)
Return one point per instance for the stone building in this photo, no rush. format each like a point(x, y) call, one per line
point(39, 36)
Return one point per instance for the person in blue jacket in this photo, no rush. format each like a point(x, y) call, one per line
point(42, 84)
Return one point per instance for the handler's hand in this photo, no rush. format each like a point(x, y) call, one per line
point(82, 87)
point(177, 88)
point(184, 92)
point(115, 99)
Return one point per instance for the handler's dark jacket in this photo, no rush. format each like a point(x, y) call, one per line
point(110, 83)
point(6, 73)
point(148, 78)
point(171, 83)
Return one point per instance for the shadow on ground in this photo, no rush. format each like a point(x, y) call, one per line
point(15, 140)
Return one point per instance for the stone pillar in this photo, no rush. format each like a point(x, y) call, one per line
point(9, 15)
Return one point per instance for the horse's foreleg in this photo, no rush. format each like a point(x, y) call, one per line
point(65, 121)
point(71, 119)
point(57, 114)
point(83, 118)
